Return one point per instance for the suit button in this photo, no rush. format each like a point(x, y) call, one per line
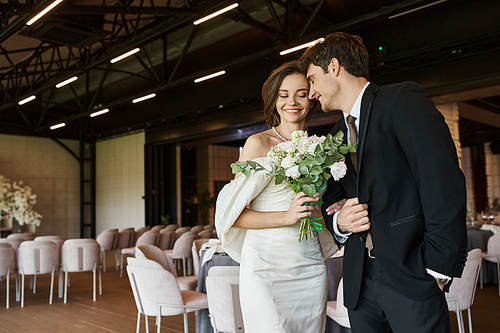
point(361, 240)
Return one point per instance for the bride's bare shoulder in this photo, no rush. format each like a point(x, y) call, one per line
point(257, 145)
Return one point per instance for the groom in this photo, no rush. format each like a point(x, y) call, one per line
point(403, 225)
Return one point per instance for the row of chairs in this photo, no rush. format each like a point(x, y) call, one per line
point(46, 255)
point(158, 291)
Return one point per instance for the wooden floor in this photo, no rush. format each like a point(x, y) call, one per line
point(115, 309)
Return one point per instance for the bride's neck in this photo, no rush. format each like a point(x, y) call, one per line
point(286, 130)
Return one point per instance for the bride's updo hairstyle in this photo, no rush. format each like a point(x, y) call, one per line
point(270, 91)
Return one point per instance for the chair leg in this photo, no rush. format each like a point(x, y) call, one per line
point(147, 323)
point(498, 274)
point(18, 291)
point(65, 287)
point(103, 260)
point(481, 275)
point(100, 281)
point(470, 320)
point(184, 264)
point(93, 282)
point(60, 282)
point(22, 290)
point(52, 284)
point(186, 328)
point(121, 264)
point(8, 278)
point(34, 284)
point(138, 321)
point(158, 323)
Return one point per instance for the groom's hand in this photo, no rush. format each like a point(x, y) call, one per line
point(353, 217)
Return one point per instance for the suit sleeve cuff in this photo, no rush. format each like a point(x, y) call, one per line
point(341, 237)
point(437, 275)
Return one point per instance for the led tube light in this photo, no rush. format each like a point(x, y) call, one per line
point(98, 113)
point(53, 127)
point(26, 100)
point(217, 13)
point(143, 98)
point(68, 81)
point(303, 46)
point(43, 12)
point(209, 76)
point(129, 53)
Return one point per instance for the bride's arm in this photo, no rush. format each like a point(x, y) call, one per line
point(252, 219)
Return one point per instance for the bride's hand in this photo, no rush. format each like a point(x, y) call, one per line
point(336, 207)
point(297, 211)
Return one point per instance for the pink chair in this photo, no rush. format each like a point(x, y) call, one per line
point(125, 239)
point(336, 309)
point(166, 240)
point(58, 240)
point(108, 240)
point(81, 255)
point(158, 227)
point(195, 251)
point(462, 290)
point(493, 255)
point(206, 234)
point(139, 232)
point(154, 253)
point(8, 266)
point(14, 242)
point(180, 231)
point(171, 227)
point(223, 299)
point(148, 238)
point(182, 249)
point(157, 293)
point(27, 236)
point(197, 228)
point(36, 258)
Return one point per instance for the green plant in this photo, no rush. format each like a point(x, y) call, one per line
point(202, 201)
point(165, 219)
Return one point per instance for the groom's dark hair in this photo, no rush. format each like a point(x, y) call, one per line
point(348, 49)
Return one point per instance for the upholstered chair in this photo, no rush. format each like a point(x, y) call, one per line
point(8, 266)
point(336, 309)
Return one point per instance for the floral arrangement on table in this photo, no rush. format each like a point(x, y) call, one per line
point(305, 163)
point(17, 201)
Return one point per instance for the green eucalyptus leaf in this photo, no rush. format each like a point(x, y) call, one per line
point(304, 180)
point(279, 179)
point(309, 190)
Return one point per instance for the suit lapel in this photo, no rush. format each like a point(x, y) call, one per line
point(365, 112)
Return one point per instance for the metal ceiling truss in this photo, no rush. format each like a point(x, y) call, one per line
point(50, 64)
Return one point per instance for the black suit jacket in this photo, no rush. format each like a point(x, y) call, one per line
point(408, 174)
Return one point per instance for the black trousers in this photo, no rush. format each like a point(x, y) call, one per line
point(382, 309)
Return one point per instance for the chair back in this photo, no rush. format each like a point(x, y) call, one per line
point(58, 240)
point(125, 238)
point(205, 234)
point(108, 239)
point(171, 227)
point(494, 246)
point(222, 286)
point(182, 246)
point(195, 251)
point(78, 256)
point(180, 231)
point(7, 259)
point(464, 288)
point(139, 232)
point(37, 257)
point(197, 228)
point(341, 316)
point(152, 284)
point(27, 236)
point(209, 227)
point(166, 239)
point(154, 253)
point(149, 237)
point(14, 242)
point(158, 227)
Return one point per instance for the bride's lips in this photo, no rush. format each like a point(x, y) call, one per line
point(292, 110)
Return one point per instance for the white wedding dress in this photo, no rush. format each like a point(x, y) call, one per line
point(283, 283)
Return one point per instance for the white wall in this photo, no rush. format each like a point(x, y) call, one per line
point(52, 173)
point(120, 183)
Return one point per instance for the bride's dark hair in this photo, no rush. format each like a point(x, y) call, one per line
point(270, 91)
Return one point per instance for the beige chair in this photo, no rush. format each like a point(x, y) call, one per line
point(148, 238)
point(14, 242)
point(462, 290)
point(180, 231)
point(81, 255)
point(158, 227)
point(139, 232)
point(206, 234)
point(195, 251)
point(154, 253)
point(108, 240)
point(58, 240)
point(166, 239)
point(182, 250)
point(171, 227)
point(27, 236)
point(125, 239)
point(157, 293)
point(197, 228)
point(35, 258)
point(8, 266)
point(209, 227)
point(223, 299)
point(493, 255)
point(336, 309)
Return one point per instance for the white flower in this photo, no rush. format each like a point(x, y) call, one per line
point(293, 172)
point(288, 162)
point(338, 170)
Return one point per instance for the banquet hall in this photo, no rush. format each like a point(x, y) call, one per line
point(121, 118)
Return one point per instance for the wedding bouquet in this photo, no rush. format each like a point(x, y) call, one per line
point(305, 163)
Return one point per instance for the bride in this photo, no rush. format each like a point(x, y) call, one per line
point(283, 282)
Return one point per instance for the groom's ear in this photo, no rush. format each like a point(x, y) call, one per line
point(334, 67)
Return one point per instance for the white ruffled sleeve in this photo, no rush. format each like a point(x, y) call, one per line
point(232, 199)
